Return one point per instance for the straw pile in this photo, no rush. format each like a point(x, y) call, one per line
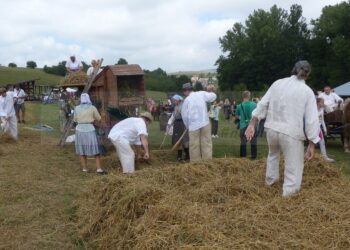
point(219, 204)
point(75, 79)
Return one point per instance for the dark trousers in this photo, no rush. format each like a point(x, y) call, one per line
point(261, 125)
point(214, 127)
point(243, 146)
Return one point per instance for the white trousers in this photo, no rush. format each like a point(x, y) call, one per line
point(293, 151)
point(10, 126)
point(125, 154)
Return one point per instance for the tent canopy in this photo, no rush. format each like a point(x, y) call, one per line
point(343, 90)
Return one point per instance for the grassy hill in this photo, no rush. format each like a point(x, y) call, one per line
point(14, 75)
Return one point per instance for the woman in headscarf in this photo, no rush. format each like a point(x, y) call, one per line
point(179, 128)
point(86, 143)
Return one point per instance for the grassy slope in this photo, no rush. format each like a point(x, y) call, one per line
point(13, 75)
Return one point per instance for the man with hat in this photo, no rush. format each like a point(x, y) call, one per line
point(73, 65)
point(8, 113)
point(195, 117)
point(131, 131)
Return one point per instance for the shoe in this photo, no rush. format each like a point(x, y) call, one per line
point(101, 172)
point(329, 159)
point(84, 170)
point(179, 159)
point(212, 136)
point(216, 136)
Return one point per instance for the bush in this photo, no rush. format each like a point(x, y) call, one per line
point(12, 65)
point(31, 64)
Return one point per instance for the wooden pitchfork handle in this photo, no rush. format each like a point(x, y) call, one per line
point(179, 141)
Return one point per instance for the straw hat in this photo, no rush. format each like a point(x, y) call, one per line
point(147, 115)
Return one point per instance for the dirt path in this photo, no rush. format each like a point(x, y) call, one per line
point(38, 185)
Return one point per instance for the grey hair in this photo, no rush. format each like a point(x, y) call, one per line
point(302, 69)
point(246, 94)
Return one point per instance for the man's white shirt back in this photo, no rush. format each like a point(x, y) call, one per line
point(194, 109)
point(289, 107)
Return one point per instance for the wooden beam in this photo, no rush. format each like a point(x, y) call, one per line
point(70, 122)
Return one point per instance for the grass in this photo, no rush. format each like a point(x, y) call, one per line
point(14, 75)
point(156, 95)
point(39, 181)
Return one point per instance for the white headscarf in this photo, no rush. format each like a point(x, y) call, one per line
point(85, 99)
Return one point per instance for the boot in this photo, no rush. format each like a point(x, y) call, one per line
point(179, 155)
point(187, 154)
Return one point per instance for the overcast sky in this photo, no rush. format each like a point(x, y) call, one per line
point(174, 35)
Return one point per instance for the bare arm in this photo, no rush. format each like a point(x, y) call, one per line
point(144, 142)
point(250, 131)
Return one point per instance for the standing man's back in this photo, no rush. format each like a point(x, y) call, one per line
point(195, 117)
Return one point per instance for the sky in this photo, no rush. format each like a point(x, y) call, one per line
point(175, 35)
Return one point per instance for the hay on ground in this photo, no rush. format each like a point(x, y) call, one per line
point(218, 204)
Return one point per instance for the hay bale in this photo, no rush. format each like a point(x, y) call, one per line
point(78, 78)
point(218, 204)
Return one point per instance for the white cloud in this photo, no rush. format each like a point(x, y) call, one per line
point(171, 34)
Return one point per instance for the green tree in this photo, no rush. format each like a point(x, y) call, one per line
point(158, 80)
point(330, 46)
point(59, 69)
point(85, 66)
point(12, 65)
point(180, 80)
point(31, 64)
point(264, 49)
point(122, 61)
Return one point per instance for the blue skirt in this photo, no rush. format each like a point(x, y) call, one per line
point(86, 143)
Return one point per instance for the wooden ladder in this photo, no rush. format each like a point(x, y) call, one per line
point(69, 123)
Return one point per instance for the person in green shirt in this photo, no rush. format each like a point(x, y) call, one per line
point(244, 114)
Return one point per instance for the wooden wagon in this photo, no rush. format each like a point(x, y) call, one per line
point(118, 91)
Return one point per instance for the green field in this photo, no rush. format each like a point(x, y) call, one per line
point(14, 75)
point(156, 95)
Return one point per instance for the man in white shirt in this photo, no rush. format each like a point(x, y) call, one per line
point(131, 131)
point(331, 99)
point(195, 117)
point(289, 107)
point(20, 109)
point(73, 65)
point(7, 113)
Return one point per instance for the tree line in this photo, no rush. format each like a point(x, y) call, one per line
point(268, 44)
